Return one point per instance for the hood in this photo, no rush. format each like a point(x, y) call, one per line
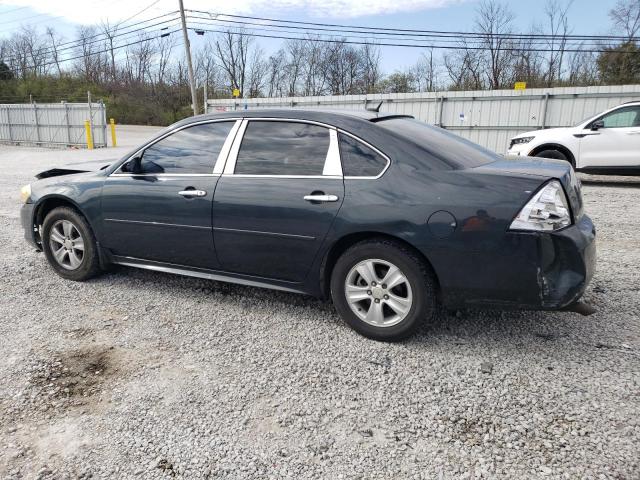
point(548, 132)
point(77, 167)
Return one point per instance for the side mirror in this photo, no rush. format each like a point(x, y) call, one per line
point(597, 125)
point(134, 165)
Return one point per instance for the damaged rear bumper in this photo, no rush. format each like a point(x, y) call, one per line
point(530, 271)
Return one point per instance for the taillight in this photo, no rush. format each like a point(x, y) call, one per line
point(548, 210)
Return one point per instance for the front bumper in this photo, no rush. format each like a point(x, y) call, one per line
point(521, 150)
point(26, 218)
point(530, 271)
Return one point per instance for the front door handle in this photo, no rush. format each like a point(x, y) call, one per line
point(192, 193)
point(321, 198)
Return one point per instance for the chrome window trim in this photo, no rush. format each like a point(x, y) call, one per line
point(247, 175)
point(164, 175)
point(118, 172)
point(333, 152)
point(375, 149)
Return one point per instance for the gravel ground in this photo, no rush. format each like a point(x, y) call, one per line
point(143, 374)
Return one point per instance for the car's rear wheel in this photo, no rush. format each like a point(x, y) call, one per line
point(69, 244)
point(383, 290)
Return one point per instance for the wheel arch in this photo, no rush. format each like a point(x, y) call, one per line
point(345, 242)
point(555, 146)
point(48, 203)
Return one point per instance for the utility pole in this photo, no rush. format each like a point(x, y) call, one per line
point(187, 49)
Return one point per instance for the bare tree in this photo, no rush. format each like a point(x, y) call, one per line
point(55, 40)
point(464, 68)
point(276, 74)
point(314, 78)
point(493, 21)
point(626, 17)
point(424, 73)
point(232, 52)
point(371, 76)
point(257, 73)
point(163, 48)
point(558, 24)
point(110, 32)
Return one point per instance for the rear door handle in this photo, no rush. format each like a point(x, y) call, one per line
point(321, 198)
point(192, 193)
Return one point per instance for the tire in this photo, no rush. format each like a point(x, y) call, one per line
point(553, 154)
point(64, 230)
point(400, 309)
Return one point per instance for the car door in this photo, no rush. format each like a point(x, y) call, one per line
point(280, 192)
point(157, 205)
point(616, 144)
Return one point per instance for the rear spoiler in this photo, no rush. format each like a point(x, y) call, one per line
point(389, 117)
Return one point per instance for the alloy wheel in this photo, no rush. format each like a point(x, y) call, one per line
point(67, 244)
point(378, 292)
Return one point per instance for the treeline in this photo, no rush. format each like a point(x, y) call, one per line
point(143, 79)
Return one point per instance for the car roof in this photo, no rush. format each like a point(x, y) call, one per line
point(335, 117)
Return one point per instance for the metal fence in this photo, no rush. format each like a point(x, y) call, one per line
point(489, 118)
point(53, 124)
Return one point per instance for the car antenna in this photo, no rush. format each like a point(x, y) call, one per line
point(376, 109)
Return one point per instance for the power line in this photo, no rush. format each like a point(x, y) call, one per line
point(13, 10)
point(414, 32)
point(89, 54)
point(141, 11)
point(100, 37)
point(447, 40)
point(387, 44)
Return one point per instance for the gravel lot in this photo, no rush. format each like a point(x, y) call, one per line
point(151, 375)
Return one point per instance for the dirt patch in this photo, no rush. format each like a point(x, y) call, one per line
point(71, 378)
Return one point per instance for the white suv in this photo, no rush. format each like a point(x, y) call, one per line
point(608, 143)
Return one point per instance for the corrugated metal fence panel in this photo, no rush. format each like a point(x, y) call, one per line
point(52, 123)
point(487, 117)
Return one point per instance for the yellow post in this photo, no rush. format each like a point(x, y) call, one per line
point(113, 132)
point(87, 127)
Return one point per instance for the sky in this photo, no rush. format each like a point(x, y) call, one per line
point(587, 17)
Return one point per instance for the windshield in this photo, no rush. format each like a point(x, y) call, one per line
point(455, 150)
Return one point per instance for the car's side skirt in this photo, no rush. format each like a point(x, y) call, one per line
point(630, 170)
point(209, 274)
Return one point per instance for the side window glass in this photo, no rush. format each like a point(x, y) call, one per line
point(358, 160)
point(282, 148)
point(193, 150)
point(623, 118)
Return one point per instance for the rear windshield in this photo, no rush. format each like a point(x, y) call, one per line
point(454, 150)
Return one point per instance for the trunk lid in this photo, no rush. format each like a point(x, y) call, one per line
point(545, 169)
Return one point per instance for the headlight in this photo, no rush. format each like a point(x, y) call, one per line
point(25, 193)
point(547, 211)
point(520, 141)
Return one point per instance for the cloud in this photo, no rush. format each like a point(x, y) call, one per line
point(93, 11)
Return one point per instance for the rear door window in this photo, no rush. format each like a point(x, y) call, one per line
point(192, 150)
point(359, 160)
point(283, 148)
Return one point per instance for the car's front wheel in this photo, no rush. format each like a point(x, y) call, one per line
point(553, 154)
point(383, 290)
point(69, 244)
